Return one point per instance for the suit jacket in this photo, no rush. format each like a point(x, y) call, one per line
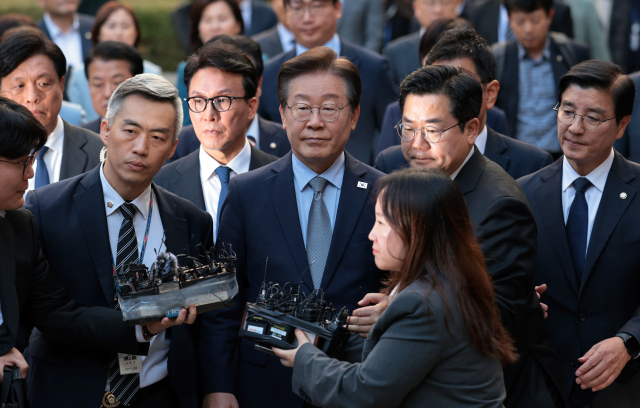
point(404, 56)
point(262, 18)
point(73, 231)
point(183, 176)
point(270, 43)
point(419, 364)
point(378, 90)
point(619, 29)
point(93, 126)
point(362, 23)
point(273, 140)
point(31, 294)
point(72, 113)
point(629, 144)
point(516, 158)
point(485, 17)
point(496, 120)
point(606, 301)
point(81, 151)
point(260, 218)
point(564, 54)
point(86, 22)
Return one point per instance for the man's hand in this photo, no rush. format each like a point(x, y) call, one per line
point(13, 358)
point(183, 317)
point(364, 318)
point(220, 400)
point(602, 364)
point(287, 357)
point(539, 291)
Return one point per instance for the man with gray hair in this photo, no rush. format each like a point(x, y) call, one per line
point(105, 219)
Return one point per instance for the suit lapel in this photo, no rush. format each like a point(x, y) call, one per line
point(74, 159)
point(468, 177)
point(549, 202)
point(176, 229)
point(8, 289)
point(188, 184)
point(352, 200)
point(93, 220)
point(494, 149)
point(258, 159)
point(282, 192)
point(611, 209)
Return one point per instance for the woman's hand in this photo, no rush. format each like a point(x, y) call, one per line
point(287, 357)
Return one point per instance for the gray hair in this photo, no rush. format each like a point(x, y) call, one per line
point(149, 86)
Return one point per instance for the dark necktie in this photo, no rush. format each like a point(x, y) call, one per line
point(224, 174)
point(42, 174)
point(578, 226)
point(318, 231)
point(124, 387)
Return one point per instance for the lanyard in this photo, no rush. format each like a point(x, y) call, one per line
point(146, 236)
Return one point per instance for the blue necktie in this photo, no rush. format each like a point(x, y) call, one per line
point(42, 174)
point(223, 173)
point(319, 232)
point(578, 226)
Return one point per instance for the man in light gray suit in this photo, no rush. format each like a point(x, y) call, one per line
point(362, 23)
point(31, 73)
point(277, 39)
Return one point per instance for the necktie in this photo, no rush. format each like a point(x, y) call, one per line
point(223, 173)
point(318, 232)
point(124, 387)
point(42, 174)
point(578, 225)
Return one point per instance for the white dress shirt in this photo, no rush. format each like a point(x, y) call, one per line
point(211, 184)
point(593, 195)
point(245, 9)
point(154, 364)
point(2, 213)
point(70, 42)
point(455, 173)
point(287, 39)
point(53, 158)
point(333, 43)
point(481, 140)
point(302, 175)
point(254, 130)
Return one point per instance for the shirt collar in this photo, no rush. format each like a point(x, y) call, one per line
point(303, 174)
point(481, 140)
point(254, 129)
point(286, 36)
point(546, 52)
point(245, 5)
point(55, 141)
point(597, 177)
point(112, 197)
point(53, 28)
point(239, 164)
point(333, 43)
point(455, 173)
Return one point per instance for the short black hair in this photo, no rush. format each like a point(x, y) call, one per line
point(18, 48)
point(9, 21)
point(604, 76)
point(225, 55)
point(118, 51)
point(435, 30)
point(466, 43)
point(458, 84)
point(20, 131)
point(528, 6)
point(252, 50)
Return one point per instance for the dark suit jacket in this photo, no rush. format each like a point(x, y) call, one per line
point(564, 53)
point(31, 294)
point(496, 120)
point(262, 18)
point(273, 140)
point(619, 29)
point(362, 23)
point(81, 151)
point(485, 17)
point(516, 158)
point(629, 144)
point(270, 43)
point(73, 231)
point(378, 90)
point(183, 176)
point(86, 22)
point(403, 56)
point(93, 126)
point(606, 302)
point(260, 218)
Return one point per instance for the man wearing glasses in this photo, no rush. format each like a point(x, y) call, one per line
point(309, 211)
point(586, 206)
point(222, 83)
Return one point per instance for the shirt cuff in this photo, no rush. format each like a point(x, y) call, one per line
point(140, 335)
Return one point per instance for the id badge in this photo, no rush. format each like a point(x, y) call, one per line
point(129, 364)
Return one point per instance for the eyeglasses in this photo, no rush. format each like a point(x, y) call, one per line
point(314, 9)
point(429, 133)
point(567, 116)
point(198, 104)
point(329, 112)
point(25, 164)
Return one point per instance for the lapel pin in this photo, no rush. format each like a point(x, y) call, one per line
point(559, 58)
point(273, 145)
point(110, 204)
point(362, 184)
point(623, 195)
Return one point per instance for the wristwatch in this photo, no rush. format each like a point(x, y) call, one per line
point(631, 343)
point(147, 334)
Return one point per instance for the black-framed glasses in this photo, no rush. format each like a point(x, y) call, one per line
point(25, 164)
point(198, 104)
point(430, 134)
point(329, 112)
point(590, 121)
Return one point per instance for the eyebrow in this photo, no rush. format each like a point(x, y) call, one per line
point(572, 105)
point(136, 124)
point(44, 74)
point(431, 120)
point(222, 91)
point(305, 96)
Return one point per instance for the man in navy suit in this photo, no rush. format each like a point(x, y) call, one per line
point(629, 145)
point(464, 47)
point(314, 23)
point(114, 215)
point(268, 213)
point(222, 84)
point(586, 207)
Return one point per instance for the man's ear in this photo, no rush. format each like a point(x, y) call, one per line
point(491, 93)
point(622, 126)
point(473, 130)
point(282, 117)
point(104, 132)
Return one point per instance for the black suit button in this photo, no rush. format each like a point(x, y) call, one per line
point(582, 317)
point(572, 362)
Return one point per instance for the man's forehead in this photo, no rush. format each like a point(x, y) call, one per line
point(40, 65)
point(591, 99)
point(110, 67)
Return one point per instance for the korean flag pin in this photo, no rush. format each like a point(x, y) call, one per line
point(362, 184)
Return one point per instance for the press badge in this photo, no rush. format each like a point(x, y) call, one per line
point(129, 364)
